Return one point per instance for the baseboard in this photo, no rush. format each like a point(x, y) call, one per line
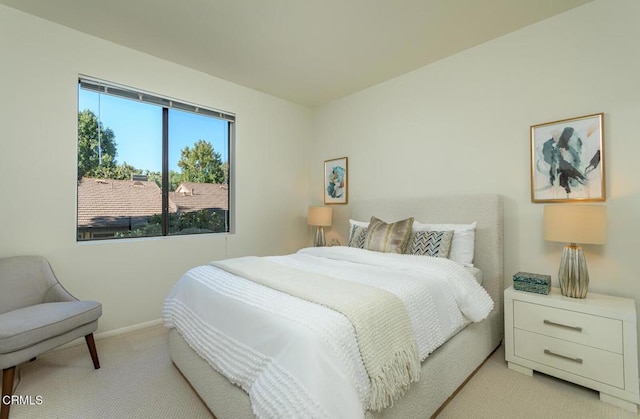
point(112, 333)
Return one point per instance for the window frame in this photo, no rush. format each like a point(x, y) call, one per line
point(166, 104)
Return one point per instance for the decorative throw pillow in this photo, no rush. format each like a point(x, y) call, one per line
point(389, 238)
point(430, 243)
point(357, 235)
point(463, 243)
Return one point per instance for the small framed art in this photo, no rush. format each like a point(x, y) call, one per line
point(567, 160)
point(336, 185)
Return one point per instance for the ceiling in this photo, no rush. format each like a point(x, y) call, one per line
point(306, 51)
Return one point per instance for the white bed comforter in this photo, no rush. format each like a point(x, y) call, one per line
point(297, 359)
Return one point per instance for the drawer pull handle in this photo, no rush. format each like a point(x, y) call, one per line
point(566, 326)
point(568, 358)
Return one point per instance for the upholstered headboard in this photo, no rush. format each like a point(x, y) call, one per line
point(486, 209)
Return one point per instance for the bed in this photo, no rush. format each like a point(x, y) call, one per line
point(445, 369)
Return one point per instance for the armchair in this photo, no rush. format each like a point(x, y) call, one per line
point(36, 315)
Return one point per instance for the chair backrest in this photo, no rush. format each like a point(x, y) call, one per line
point(24, 281)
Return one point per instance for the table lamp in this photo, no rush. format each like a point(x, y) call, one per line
point(319, 217)
point(584, 224)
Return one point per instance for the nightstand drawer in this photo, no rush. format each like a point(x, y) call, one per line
point(595, 364)
point(586, 329)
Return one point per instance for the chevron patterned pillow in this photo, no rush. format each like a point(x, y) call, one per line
point(357, 236)
point(430, 243)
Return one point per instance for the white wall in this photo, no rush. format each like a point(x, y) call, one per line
point(39, 66)
point(461, 125)
point(458, 126)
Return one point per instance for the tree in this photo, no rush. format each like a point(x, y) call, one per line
point(96, 145)
point(111, 171)
point(154, 177)
point(201, 164)
point(174, 179)
point(225, 168)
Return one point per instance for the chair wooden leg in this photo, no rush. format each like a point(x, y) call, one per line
point(91, 344)
point(7, 391)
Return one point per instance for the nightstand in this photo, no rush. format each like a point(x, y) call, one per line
point(591, 342)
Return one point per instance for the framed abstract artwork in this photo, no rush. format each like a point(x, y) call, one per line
point(336, 181)
point(567, 160)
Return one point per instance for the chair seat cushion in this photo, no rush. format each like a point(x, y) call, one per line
point(27, 326)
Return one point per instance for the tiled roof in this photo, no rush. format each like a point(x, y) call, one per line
point(191, 196)
point(109, 202)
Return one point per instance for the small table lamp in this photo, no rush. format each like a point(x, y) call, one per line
point(574, 224)
point(319, 217)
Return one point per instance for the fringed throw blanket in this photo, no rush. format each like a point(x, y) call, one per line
point(383, 330)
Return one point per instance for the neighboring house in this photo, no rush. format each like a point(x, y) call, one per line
point(107, 206)
point(191, 196)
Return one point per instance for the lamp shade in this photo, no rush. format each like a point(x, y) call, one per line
point(319, 216)
point(584, 224)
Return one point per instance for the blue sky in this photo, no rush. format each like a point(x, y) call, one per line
point(138, 130)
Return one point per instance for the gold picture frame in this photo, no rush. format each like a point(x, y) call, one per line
point(336, 185)
point(567, 160)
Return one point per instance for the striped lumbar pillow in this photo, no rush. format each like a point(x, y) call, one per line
point(390, 238)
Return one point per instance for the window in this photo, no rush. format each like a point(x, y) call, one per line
point(150, 166)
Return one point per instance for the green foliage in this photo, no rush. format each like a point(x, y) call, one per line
point(174, 180)
point(92, 137)
point(151, 229)
point(225, 168)
point(154, 177)
point(120, 172)
point(201, 164)
point(203, 221)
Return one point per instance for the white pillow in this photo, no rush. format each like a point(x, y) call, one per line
point(364, 224)
point(464, 238)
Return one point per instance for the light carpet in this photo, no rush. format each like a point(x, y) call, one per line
point(138, 380)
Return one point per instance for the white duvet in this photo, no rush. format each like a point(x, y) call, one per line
point(297, 359)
